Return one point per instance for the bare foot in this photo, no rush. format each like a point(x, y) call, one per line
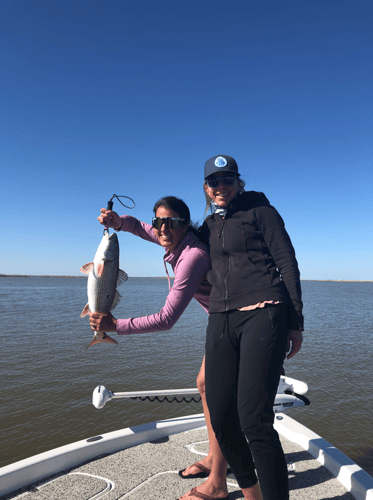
point(208, 488)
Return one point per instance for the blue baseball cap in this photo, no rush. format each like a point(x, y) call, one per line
point(221, 163)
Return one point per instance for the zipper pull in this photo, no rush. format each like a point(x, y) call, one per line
point(222, 227)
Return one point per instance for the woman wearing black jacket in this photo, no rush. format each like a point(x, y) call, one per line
point(255, 311)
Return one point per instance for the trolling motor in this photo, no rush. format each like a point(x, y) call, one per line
point(290, 394)
point(110, 204)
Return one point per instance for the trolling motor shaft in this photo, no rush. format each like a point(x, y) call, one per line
point(285, 399)
point(101, 395)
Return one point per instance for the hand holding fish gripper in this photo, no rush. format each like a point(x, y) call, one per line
point(110, 204)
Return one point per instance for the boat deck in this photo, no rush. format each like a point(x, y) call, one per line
point(150, 472)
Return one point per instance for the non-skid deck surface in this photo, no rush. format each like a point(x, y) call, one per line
point(149, 472)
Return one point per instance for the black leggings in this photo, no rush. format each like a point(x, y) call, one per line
point(245, 351)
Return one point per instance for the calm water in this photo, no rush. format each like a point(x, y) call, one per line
point(48, 377)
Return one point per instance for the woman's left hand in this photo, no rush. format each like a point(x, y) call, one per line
point(295, 339)
point(101, 322)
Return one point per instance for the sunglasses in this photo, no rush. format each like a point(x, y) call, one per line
point(169, 222)
point(227, 181)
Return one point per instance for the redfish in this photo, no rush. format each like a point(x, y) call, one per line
point(104, 276)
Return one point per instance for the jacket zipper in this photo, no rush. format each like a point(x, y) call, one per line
point(221, 234)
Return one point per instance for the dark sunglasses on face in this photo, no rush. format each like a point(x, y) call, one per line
point(228, 180)
point(169, 222)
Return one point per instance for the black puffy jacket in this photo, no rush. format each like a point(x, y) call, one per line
point(252, 258)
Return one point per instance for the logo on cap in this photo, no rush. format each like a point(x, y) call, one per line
point(220, 162)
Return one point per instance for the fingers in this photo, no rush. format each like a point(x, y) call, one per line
point(294, 349)
point(295, 338)
point(105, 217)
point(102, 322)
point(108, 218)
point(95, 315)
point(95, 321)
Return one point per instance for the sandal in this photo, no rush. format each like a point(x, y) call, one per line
point(205, 471)
point(195, 493)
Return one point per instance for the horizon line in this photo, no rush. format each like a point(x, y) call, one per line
point(153, 277)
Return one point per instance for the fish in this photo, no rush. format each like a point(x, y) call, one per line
point(104, 276)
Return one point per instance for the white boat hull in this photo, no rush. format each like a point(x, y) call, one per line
point(45, 464)
point(25, 472)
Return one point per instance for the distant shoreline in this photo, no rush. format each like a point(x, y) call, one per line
point(37, 276)
point(147, 277)
point(66, 276)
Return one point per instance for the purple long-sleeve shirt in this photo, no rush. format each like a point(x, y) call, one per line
point(190, 262)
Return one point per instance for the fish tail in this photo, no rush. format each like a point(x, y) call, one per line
point(101, 337)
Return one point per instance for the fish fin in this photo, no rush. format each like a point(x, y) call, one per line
point(97, 339)
point(122, 276)
point(116, 300)
point(85, 311)
point(86, 268)
point(100, 269)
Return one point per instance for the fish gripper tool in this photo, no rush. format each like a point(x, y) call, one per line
point(110, 204)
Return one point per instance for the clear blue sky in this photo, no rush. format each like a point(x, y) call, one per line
point(102, 97)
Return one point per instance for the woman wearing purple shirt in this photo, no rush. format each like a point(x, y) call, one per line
point(189, 259)
point(187, 255)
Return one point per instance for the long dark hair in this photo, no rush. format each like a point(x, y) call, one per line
point(180, 207)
